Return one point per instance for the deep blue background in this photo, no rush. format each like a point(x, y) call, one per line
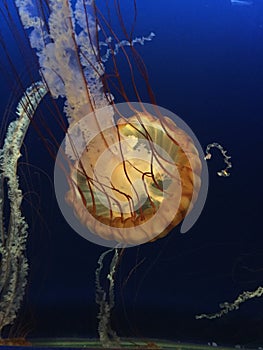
point(205, 64)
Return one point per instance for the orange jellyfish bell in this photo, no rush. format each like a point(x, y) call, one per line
point(134, 181)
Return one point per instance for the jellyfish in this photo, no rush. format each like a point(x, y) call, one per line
point(133, 170)
point(241, 2)
point(133, 173)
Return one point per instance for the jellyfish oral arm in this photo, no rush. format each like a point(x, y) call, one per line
point(57, 49)
point(69, 58)
point(224, 172)
point(108, 337)
point(227, 307)
point(13, 238)
point(122, 43)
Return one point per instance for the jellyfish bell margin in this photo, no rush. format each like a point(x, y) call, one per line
point(132, 179)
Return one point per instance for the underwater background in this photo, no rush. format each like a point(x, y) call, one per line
point(205, 65)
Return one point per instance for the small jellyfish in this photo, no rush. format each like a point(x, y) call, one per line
point(241, 2)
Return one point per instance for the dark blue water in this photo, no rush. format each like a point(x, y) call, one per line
point(205, 64)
